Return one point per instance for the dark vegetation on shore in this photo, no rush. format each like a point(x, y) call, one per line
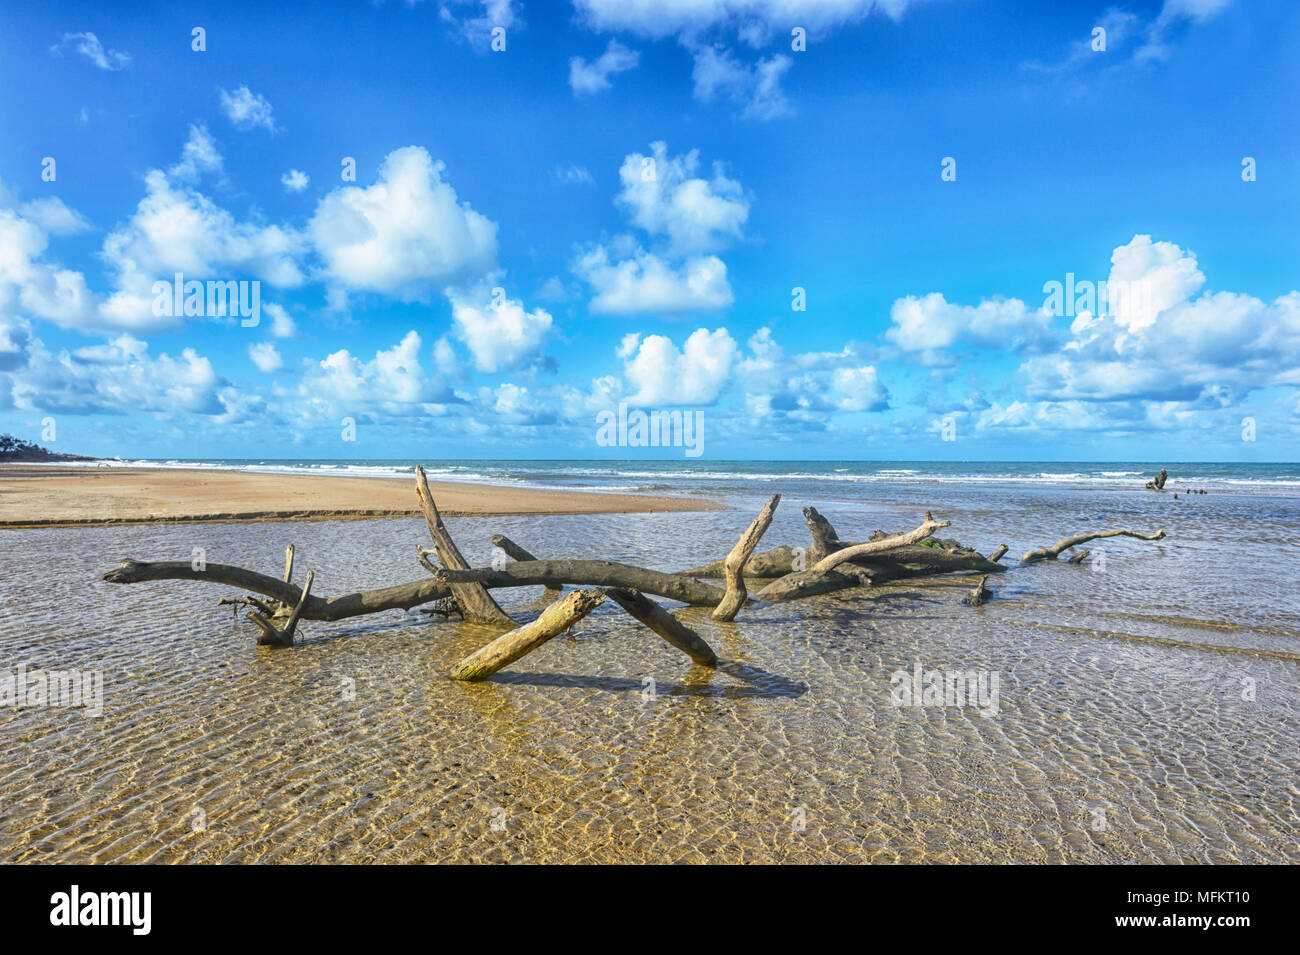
point(17, 450)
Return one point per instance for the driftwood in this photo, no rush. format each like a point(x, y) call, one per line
point(665, 624)
point(475, 602)
point(928, 527)
point(515, 552)
point(1159, 483)
point(734, 564)
point(1053, 552)
point(509, 647)
point(599, 573)
point(827, 565)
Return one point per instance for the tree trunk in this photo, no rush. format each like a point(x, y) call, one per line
point(475, 603)
point(665, 624)
point(598, 573)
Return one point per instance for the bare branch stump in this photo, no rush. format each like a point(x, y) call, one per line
point(979, 594)
point(734, 564)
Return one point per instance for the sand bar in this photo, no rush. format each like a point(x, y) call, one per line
point(50, 495)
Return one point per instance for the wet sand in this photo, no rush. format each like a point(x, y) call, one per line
point(50, 495)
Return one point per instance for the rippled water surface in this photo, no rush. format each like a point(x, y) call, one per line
point(1147, 711)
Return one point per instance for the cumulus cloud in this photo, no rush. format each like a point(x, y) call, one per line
point(588, 78)
point(282, 323)
point(265, 357)
point(501, 335)
point(646, 283)
point(88, 45)
point(931, 328)
point(174, 229)
point(695, 374)
point(664, 196)
point(393, 383)
point(805, 389)
point(295, 180)
point(30, 286)
point(199, 156)
point(247, 110)
point(1169, 341)
point(116, 376)
point(755, 89)
point(406, 234)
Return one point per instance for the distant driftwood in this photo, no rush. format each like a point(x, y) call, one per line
point(1158, 484)
point(827, 565)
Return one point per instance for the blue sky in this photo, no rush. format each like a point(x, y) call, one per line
point(618, 206)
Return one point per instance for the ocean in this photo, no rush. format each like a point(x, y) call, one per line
point(1147, 702)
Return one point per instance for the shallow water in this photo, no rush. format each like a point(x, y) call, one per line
point(1124, 730)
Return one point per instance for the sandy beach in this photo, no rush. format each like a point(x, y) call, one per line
point(50, 495)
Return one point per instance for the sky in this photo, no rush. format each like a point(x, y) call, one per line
point(830, 228)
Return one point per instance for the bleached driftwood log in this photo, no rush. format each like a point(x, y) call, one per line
point(1065, 543)
point(515, 552)
point(659, 620)
point(509, 647)
point(475, 603)
point(734, 564)
point(599, 573)
point(927, 527)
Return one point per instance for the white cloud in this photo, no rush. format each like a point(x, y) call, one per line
point(33, 288)
point(178, 229)
point(265, 357)
point(282, 323)
point(756, 89)
point(199, 155)
point(929, 326)
point(500, 336)
point(88, 45)
point(478, 29)
point(295, 180)
point(664, 196)
point(696, 374)
point(646, 283)
point(54, 217)
point(1167, 343)
point(114, 377)
point(661, 18)
point(246, 109)
point(393, 382)
point(804, 390)
point(404, 235)
point(588, 78)
point(1173, 14)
